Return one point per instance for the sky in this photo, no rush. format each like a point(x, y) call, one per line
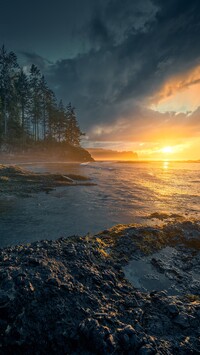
point(131, 68)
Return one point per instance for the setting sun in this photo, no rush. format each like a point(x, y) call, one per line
point(167, 150)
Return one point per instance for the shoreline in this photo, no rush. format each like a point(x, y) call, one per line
point(26, 158)
point(72, 295)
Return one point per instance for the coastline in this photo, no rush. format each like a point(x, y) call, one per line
point(72, 295)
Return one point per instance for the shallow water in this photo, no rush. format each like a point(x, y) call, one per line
point(125, 193)
point(144, 276)
point(174, 270)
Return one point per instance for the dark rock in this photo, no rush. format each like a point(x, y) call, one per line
point(66, 297)
point(4, 299)
point(146, 350)
point(182, 319)
point(172, 309)
point(20, 182)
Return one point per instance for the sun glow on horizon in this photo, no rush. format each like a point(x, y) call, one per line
point(160, 151)
point(167, 150)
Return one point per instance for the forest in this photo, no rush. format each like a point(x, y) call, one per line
point(30, 114)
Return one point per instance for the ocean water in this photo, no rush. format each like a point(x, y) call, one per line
point(125, 193)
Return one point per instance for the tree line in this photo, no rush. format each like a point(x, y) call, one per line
point(29, 110)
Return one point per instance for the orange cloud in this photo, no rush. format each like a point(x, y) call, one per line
point(178, 84)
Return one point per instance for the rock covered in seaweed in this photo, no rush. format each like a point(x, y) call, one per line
point(21, 182)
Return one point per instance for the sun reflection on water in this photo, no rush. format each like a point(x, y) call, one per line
point(165, 165)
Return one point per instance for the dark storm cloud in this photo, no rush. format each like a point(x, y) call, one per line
point(137, 46)
point(48, 27)
point(114, 19)
point(114, 55)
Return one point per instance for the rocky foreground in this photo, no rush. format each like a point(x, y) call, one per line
point(70, 296)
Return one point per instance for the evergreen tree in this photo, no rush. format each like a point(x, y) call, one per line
point(23, 92)
point(29, 109)
point(44, 103)
point(35, 109)
point(8, 66)
point(60, 122)
point(52, 112)
point(72, 131)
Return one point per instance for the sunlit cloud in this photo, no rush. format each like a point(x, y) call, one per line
point(153, 135)
point(148, 125)
point(179, 94)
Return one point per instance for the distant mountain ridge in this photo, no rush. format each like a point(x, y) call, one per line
point(108, 154)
